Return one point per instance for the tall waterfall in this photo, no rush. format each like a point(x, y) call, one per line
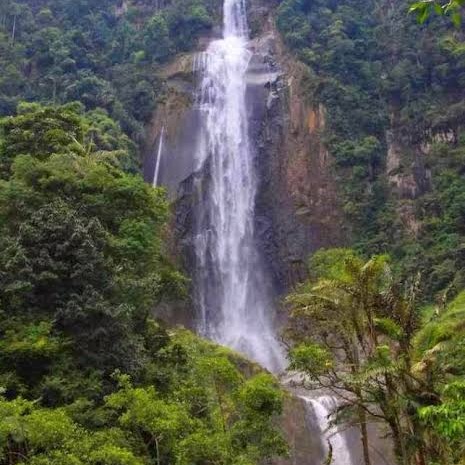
point(230, 279)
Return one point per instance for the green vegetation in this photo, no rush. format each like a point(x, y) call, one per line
point(80, 237)
point(192, 406)
point(392, 91)
point(357, 333)
point(425, 8)
point(104, 54)
point(86, 375)
point(393, 95)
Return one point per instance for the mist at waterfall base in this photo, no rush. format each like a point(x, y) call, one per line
point(230, 281)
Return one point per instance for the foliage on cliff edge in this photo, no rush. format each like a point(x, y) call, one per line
point(86, 375)
point(359, 334)
point(392, 90)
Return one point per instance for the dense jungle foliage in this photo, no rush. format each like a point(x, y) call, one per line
point(104, 54)
point(358, 333)
point(86, 375)
point(393, 94)
point(393, 91)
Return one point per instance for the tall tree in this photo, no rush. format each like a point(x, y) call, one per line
point(353, 333)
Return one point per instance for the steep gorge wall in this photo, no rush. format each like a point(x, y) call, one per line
point(296, 207)
point(407, 175)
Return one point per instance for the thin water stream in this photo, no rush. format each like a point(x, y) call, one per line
point(159, 155)
point(320, 411)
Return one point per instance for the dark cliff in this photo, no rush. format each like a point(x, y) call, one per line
point(297, 208)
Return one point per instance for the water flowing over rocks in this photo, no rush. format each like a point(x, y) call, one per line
point(230, 280)
point(294, 208)
point(309, 421)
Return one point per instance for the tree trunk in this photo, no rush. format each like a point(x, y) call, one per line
point(399, 444)
point(14, 30)
point(157, 449)
point(364, 435)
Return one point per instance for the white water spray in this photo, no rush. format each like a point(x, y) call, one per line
point(159, 155)
point(320, 409)
point(230, 279)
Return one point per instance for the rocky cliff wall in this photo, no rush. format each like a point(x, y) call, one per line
point(296, 207)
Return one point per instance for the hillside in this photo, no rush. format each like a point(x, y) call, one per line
point(392, 92)
point(309, 216)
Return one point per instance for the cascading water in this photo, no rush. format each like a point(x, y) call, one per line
point(159, 155)
point(230, 279)
point(319, 410)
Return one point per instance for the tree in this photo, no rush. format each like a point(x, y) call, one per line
point(40, 132)
point(353, 332)
point(439, 355)
point(38, 436)
point(447, 423)
point(81, 238)
point(158, 42)
point(157, 423)
point(425, 8)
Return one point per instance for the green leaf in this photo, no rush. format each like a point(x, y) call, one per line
point(424, 15)
point(311, 359)
point(438, 9)
point(456, 19)
point(388, 327)
point(417, 7)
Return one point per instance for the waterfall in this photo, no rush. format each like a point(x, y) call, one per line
point(235, 306)
point(319, 411)
point(159, 155)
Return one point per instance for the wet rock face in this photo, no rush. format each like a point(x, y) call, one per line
point(407, 174)
point(296, 204)
point(301, 433)
point(297, 209)
point(306, 425)
point(405, 168)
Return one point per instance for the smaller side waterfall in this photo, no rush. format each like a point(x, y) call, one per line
point(319, 410)
point(159, 155)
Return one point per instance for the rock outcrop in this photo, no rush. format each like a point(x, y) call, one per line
point(302, 435)
point(296, 207)
point(407, 175)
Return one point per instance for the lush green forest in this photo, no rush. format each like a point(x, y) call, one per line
point(103, 54)
point(86, 375)
point(357, 331)
point(392, 88)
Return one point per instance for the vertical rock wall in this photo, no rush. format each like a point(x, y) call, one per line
point(297, 205)
point(302, 435)
point(297, 210)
